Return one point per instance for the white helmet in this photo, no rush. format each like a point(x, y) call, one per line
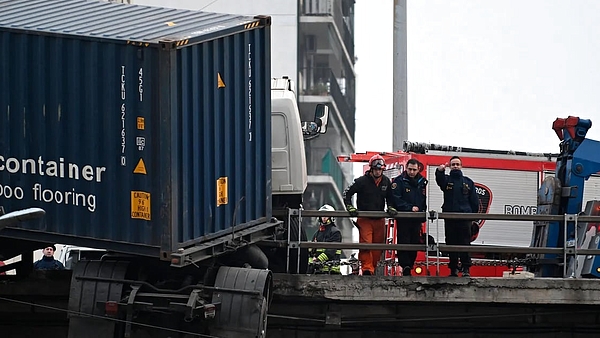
point(326, 207)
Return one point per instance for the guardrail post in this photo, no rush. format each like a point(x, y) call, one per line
point(299, 239)
point(427, 246)
point(289, 232)
point(293, 244)
point(576, 261)
point(435, 215)
point(568, 244)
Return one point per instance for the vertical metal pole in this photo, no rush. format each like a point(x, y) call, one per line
point(565, 247)
point(289, 230)
point(299, 239)
point(427, 244)
point(437, 247)
point(400, 117)
point(575, 260)
point(26, 267)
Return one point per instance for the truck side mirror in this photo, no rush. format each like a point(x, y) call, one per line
point(322, 117)
point(313, 129)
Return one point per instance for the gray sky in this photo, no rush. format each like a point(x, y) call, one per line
point(481, 73)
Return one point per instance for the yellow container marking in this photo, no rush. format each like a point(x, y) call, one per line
point(140, 205)
point(140, 168)
point(222, 191)
point(140, 123)
point(220, 83)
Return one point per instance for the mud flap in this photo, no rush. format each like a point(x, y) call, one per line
point(88, 296)
point(244, 296)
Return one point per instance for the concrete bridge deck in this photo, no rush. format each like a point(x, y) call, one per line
point(361, 306)
point(562, 291)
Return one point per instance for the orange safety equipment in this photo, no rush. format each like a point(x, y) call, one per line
point(377, 162)
point(370, 231)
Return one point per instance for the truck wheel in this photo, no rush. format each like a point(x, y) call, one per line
point(88, 295)
point(244, 295)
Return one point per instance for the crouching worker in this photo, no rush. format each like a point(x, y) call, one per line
point(325, 261)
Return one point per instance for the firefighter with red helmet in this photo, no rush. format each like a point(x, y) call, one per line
point(373, 191)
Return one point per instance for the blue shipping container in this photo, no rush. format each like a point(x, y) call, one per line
point(138, 129)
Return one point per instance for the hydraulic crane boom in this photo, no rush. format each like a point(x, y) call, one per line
point(579, 158)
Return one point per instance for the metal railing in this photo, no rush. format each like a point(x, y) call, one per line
point(434, 217)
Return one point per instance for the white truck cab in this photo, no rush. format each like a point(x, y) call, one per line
point(288, 166)
point(288, 135)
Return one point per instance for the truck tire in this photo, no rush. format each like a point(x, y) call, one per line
point(86, 296)
point(241, 314)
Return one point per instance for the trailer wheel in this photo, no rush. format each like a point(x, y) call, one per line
point(88, 296)
point(244, 296)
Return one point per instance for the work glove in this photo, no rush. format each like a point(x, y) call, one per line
point(392, 211)
point(352, 210)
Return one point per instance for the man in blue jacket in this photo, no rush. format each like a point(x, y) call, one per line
point(409, 195)
point(459, 196)
point(48, 262)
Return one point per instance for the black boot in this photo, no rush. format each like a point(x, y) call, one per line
point(465, 272)
point(453, 272)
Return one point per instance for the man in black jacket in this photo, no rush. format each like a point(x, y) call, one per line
point(459, 196)
point(48, 262)
point(408, 191)
point(326, 260)
point(373, 192)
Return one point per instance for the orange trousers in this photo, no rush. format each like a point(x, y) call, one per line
point(370, 231)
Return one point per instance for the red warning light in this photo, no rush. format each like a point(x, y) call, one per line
point(595, 208)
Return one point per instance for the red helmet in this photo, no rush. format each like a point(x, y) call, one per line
point(377, 162)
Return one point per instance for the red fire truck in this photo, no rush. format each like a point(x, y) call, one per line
point(507, 183)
